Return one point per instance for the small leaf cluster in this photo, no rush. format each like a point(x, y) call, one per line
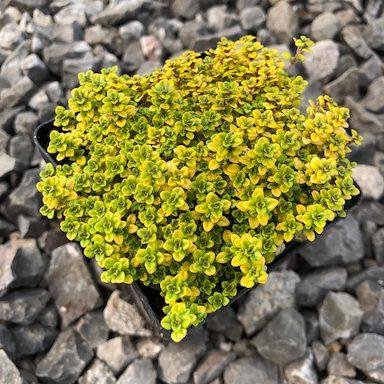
point(194, 177)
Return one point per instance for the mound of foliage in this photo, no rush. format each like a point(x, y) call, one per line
point(194, 177)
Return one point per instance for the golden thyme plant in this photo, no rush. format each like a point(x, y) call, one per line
point(194, 177)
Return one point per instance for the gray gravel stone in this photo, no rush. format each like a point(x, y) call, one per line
point(22, 264)
point(252, 18)
point(141, 371)
point(23, 306)
point(219, 18)
point(354, 39)
point(49, 317)
point(374, 100)
point(301, 371)
point(369, 293)
point(131, 30)
point(186, 9)
point(366, 352)
point(282, 21)
point(33, 67)
point(313, 287)
point(370, 70)
point(21, 148)
point(123, 318)
point(225, 321)
point(98, 373)
point(24, 199)
point(177, 360)
point(283, 339)
point(324, 26)
point(32, 339)
point(373, 320)
point(66, 359)
point(339, 316)
point(8, 164)
point(9, 374)
point(70, 283)
point(320, 355)
point(10, 36)
point(322, 62)
point(149, 348)
point(370, 180)
point(345, 85)
point(251, 370)
point(340, 380)
point(341, 244)
point(374, 33)
point(17, 94)
point(31, 226)
point(93, 329)
point(117, 353)
point(73, 13)
point(339, 366)
point(7, 343)
point(375, 274)
point(241, 4)
point(263, 302)
point(133, 57)
point(213, 365)
point(119, 12)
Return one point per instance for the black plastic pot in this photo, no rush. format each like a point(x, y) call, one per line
point(148, 299)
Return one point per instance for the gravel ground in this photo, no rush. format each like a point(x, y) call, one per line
point(320, 319)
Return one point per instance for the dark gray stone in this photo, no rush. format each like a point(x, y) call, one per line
point(366, 352)
point(205, 42)
point(131, 30)
point(33, 67)
point(252, 18)
point(21, 148)
point(313, 287)
point(71, 284)
point(345, 85)
point(224, 321)
point(177, 360)
point(67, 33)
point(32, 339)
point(66, 359)
point(339, 366)
point(250, 370)
point(123, 317)
point(346, 61)
point(117, 353)
point(52, 239)
point(301, 371)
point(339, 317)
point(283, 340)
point(354, 39)
point(282, 21)
point(31, 226)
point(361, 119)
point(373, 320)
point(370, 70)
point(54, 92)
point(9, 374)
point(368, 293)
point(23, 306)
point(49, 317)
point(7, 118)
point(98, 373)
point(24, 199)
point(22, 264)
point(6, 228)
point(375, 274)
point(374, 100)
point(141, 371)
point(93, 329)
point(7, 343)
point(192, 31)
point(332, 379)
point(212, 366)
point(341, 244)
point(263, 302)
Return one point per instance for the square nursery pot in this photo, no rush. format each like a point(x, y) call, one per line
point(148, 299)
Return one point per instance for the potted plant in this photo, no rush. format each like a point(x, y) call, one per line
point(194, 178)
